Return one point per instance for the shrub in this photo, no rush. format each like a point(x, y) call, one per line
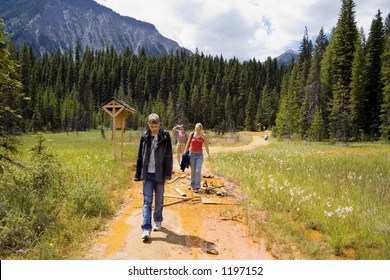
point(90, 199)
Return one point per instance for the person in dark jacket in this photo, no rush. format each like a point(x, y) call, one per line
point(154, 166)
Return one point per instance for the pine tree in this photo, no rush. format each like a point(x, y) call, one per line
point(316, 131)
point(195, 113)
point(304, 98)
point(287, 119)
point(250, 112)
point(385, 71)
point(267, 109)
point(84, 95)
point(358, 93)
point(229, 118)
point(243, 99)
point(214, 107)
point(374, 86)
point(314, 99)
point(26, 70)
point(10, 93)
point(170, 114)
point(343, 47)
point(326, 82)
point(158, 107)
point(181, 108)
point(205, 106)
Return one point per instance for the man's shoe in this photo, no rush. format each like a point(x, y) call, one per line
point(145, 234)
point(157, 226)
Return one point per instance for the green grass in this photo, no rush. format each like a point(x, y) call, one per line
point(228, 139)
point(341, 192)
point(52, 208)
point(55, 204)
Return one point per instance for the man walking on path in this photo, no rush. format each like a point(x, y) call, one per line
point(154, 166)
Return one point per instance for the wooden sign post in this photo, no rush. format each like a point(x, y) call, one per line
point(117, 109)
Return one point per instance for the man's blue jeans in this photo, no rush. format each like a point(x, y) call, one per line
point(158, 188)
point(196, 161)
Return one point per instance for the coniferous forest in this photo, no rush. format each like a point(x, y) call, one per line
point(338, 90)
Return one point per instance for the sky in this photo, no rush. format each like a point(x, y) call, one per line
point(244, 29)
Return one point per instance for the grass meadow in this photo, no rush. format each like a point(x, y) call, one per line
point(309, 201)
point(68, 188)
point(313, 200)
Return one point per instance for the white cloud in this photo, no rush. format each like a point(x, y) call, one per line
point(243, 28)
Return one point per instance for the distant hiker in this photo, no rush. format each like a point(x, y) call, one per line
point(154, 166)
point(182, 137)
point(195, 146)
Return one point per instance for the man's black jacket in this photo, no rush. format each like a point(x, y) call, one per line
point(162, 153)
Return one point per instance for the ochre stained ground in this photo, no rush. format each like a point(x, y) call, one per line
point(191, 230)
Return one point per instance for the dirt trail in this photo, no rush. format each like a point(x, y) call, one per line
point(191, 230)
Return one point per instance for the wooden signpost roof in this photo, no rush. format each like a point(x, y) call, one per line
point(115, 106)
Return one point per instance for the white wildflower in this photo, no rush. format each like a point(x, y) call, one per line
point(349, 209)
point(328, 214)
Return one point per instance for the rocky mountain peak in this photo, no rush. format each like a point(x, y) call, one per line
point(48, 25)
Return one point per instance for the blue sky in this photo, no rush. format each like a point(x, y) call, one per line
point(244, 29)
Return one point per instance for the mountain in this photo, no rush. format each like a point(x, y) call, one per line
point(48, 25)
point(287, 57)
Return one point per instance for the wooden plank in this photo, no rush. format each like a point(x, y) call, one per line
point(179, 201)
point(206, 200)
point(179, 171)
point(175, 196)
point(180, 192)
point(173, 180)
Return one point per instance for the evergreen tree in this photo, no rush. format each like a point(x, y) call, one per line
point(243, 99)
point(343, 47)
point(229, 118)
point(195, 113)
point(316, 131)
point(75, 110)
point(326, 82)
point(181, 112)
point(205, 106)
point(10, 93)
point(385, 71)
point(214, 107)
point(287, 119)
point(170, 114)
point(250, 112)
point(267, 109)
point(314, 100)
point(374, 86)
point(26, 70)
point(358, 93)
point(304, 98)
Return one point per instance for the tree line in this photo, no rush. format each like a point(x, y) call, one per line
point(337, 90)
